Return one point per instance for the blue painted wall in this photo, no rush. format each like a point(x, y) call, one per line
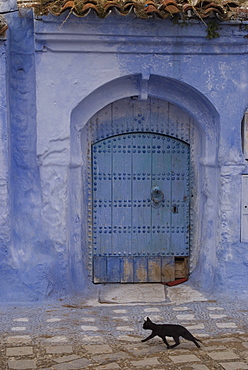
point(61, 73)
point(33, 268)
point(5, 237)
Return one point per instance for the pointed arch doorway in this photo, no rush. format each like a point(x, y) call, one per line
point(140, 171)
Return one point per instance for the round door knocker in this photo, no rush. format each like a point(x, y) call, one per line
point(157, 196)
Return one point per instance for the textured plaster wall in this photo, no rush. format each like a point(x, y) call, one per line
point(36, 264)
point(8, 6)
point(60, 73)
point(96, 53)
point(5, 234)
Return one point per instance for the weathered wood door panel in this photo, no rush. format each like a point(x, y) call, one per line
point(140, 207)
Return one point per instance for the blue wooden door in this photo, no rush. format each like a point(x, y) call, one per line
point(140, 207)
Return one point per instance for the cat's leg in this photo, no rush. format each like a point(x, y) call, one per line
point(166, 343)
point(189, 336)
point(177, 341)
point(197, 344)
point(150, 337)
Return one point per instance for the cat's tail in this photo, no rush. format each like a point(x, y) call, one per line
point(187, 335)
point(198, 340)
point(195, 340)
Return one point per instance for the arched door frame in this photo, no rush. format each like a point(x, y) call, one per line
point(206, 119)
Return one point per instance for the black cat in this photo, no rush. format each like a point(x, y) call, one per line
point(168, 330)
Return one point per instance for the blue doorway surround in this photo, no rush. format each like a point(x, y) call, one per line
point(126, 105)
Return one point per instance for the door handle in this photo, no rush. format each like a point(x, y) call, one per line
point(157, 195)
point(174, 208)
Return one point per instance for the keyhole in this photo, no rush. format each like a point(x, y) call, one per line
point(175, 210)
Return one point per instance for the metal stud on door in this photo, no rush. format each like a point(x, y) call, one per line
point(140, 207)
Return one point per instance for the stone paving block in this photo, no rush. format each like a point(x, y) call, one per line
point(138, 345)
point(111, 366)
point(226, 325)
point(214, 348)
point(59, 349)
point(128, 338)
point(144, 350)
point(100, 348)
point(199, 367)
point(149, 361)
point(22, 364)
point(68, 358)
point(57, 339)
point(223, 355)
point(77, 364)
point(91, 339)
point(213, 341)
point(215, 308)
point(19, 328)
point(245, 355)
point(151, 309)
point(234, 365)
point(121, 318)
point(124, 328)
point(110, 357)
point(195, 327)
point(181, 309)
point(19, 351)
point(53, 319)
point(239, 346)
point(184, 358)
point(186, 317)
point(120, 311)
point(19, 339)
point(89, 328)
point(88, 319)
point(216, 316)
point(203, 336)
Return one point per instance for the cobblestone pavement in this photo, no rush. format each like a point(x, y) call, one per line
point(62, 336)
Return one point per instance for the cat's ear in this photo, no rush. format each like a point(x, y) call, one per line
point(147, 319)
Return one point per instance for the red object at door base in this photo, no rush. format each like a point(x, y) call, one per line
point(176, 282)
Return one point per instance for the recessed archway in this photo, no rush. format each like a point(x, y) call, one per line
point(203, 141)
